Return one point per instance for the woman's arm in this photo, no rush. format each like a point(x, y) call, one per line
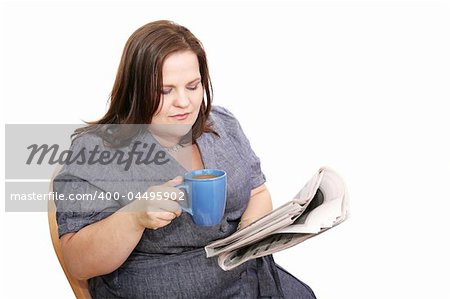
point(103, 246)
point(260, 204)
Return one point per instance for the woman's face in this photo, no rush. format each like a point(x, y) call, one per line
point(182, 91)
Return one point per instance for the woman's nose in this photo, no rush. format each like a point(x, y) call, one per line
point(181, 100)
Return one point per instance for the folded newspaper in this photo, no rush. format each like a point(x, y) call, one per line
point(320, 205)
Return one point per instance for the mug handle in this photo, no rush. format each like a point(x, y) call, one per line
point(186, 188)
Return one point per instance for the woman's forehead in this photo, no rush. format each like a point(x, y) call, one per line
point(180, 65)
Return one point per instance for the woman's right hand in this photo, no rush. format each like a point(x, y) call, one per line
point(121, 231)
point(155, 212)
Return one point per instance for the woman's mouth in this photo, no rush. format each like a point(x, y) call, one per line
point(180, 116)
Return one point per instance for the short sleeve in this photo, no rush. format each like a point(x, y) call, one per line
point(79, 203)
point(235, 133)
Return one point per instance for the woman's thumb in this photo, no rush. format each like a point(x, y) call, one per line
point(174, 182)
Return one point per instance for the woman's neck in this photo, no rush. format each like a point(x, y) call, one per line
point(167, 141)
point(169, 135)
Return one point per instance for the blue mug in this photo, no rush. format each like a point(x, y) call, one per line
point(206, 195)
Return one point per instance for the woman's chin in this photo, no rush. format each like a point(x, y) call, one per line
point(170, 130)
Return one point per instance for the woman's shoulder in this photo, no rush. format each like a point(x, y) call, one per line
point(223, 118)
point(228, 126)
point(86, 138)
point(86, 141)
point(81, 146)
point(222, 111)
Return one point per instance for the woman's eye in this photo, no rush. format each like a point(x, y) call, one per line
point(193, 87)
point(166, 91)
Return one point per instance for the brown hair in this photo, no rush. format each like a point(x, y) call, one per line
point(136, 94)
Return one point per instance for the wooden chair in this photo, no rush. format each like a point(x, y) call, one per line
point(79, 287)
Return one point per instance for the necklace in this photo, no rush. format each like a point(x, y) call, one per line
point(173, 149)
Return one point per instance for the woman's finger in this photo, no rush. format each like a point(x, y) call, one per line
point(174, 182)
point(159, 223)
point(166, 216)
point(169, 206)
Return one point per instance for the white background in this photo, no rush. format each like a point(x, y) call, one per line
point(360, 86)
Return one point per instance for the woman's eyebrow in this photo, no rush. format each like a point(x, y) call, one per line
point(189, 83)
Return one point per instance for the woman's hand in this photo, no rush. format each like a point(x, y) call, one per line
point(260, 204)
point(246, 222)
point(121, 231)
point(155, 210)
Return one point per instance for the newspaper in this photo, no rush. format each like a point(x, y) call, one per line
point(320, 205)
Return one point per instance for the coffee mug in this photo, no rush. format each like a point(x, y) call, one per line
point(206, 191)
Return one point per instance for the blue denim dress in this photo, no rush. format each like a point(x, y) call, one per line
point(170, 262)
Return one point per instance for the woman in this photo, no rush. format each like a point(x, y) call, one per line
point(147, 248)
